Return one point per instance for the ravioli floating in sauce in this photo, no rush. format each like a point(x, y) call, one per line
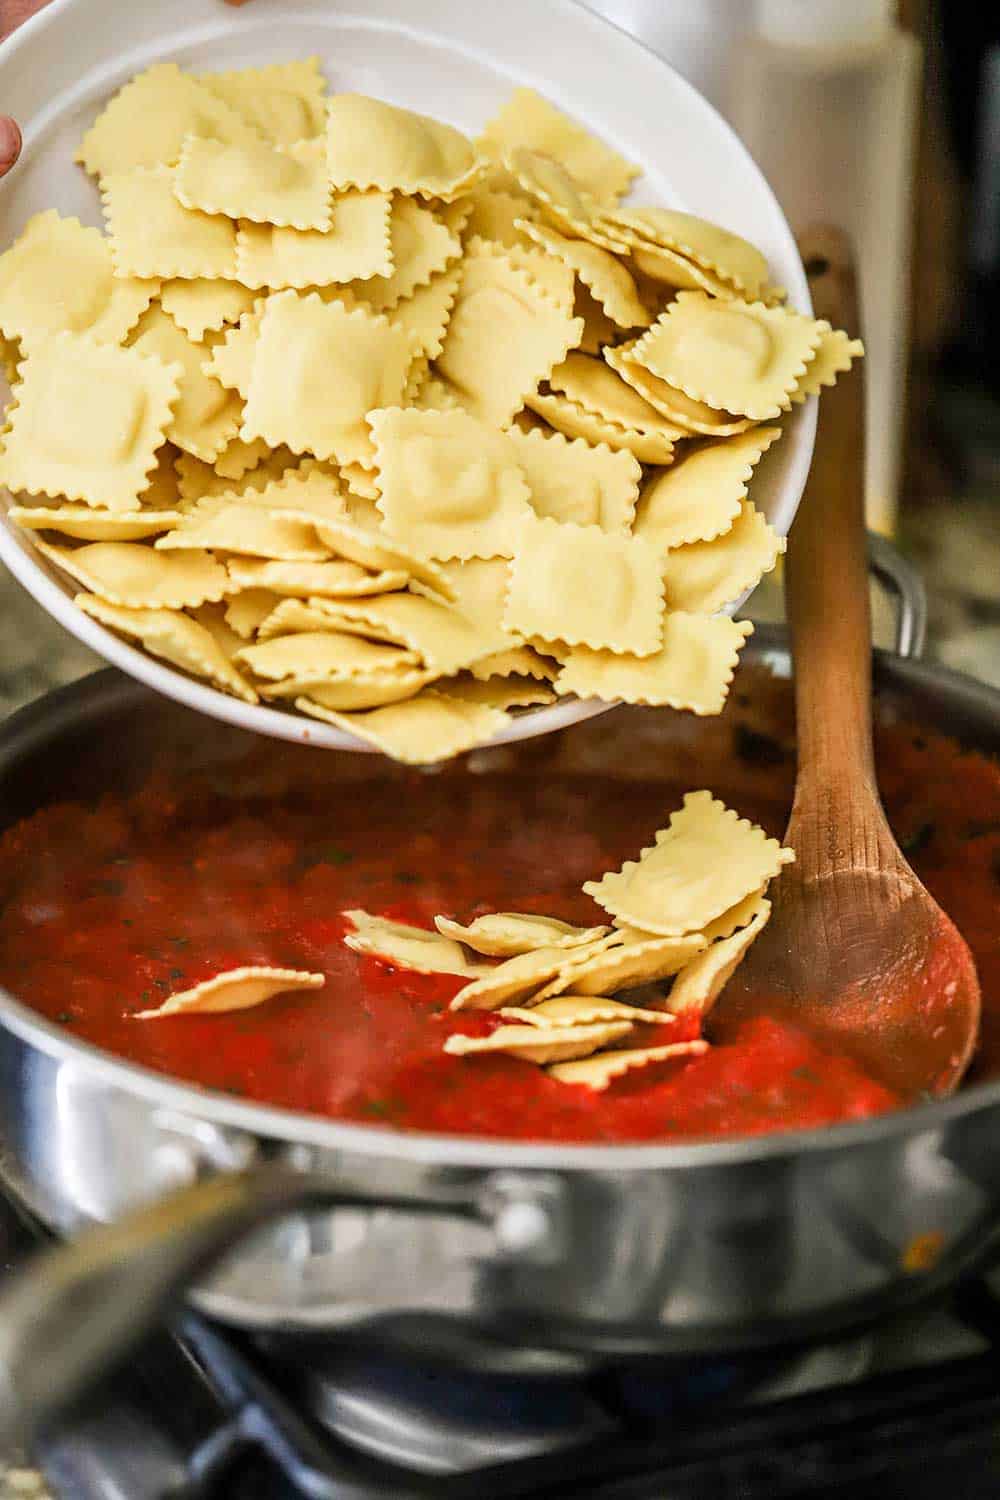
point(109, 908)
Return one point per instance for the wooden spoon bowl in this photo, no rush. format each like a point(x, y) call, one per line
point(857, 952)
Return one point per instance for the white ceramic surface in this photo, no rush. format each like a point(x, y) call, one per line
point(450, 58)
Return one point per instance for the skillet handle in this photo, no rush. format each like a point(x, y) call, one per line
point(80, 1308)
point(904, 581)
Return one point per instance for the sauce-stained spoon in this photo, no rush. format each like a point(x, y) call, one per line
point(857, 952)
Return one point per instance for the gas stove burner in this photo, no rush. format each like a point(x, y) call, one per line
point(496, 1404)
point(439, 1421)
point(442, 1423)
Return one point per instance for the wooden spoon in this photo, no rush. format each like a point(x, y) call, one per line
point(856, 951)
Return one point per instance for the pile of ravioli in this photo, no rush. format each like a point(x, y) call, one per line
point(346, 412)
point(688, 909)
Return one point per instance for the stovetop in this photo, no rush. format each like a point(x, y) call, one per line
point(204, 1413)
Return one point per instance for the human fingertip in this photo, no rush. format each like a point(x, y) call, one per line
point(10, 143)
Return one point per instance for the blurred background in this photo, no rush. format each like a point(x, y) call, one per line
point(884, 116)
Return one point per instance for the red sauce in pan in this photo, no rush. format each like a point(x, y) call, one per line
point(109, 908)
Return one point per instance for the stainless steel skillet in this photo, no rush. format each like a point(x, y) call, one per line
point(463, 1247)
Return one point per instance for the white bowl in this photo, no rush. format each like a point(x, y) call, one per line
point(449, 58)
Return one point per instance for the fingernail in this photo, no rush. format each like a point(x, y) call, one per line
point(10, 142)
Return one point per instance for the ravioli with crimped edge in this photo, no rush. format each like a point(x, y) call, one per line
point(397, 428)
point(688, 910)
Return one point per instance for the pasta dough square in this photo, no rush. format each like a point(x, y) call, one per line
point(59, 276)
point(742, 357)
point(313, 493)
point(598, 328)
point(666, 268)
point(113, 407)
point(334, 580)
point(527, 120)
point(558, 198)
point(545, 272)
point(625, 966)
point(152, 234)
point(424, 315)
point(298, 617)
point(198, 305)
point(137, 577)
point(162, 491)
point(198, 480)
point(687, 415)
point(582, 1010)
point(236, 989)
point(374, 144)
point(317, 372)
point(494, 214)
point(420, 730)
point(420, 949)
point(322, 656)
point(497, 692)
point(587, 587)
point(450, 486)
point(834, 355)
point(248, 610)
point(146, 122)
point(598, 1072)
point(574, 420)
point(705, 576)
point(517, 661)
point(421, 246)
point(363, 691)
point(177, 638)
point(503, 934)
point(206, 415)
point(607, 280)
point(592, 384)
point(541, 1044)
point(253, 181)
point(517, 978)
point(443, 637)
point(283, 102)
point(231, 359)
point(89, 525)
point(498, 308)
point(737, 916)
point(701, 982)
point(246, 530)
point(238, 458)
point(699, 498)
point(355, 247)
point(361, 485)
point(708, 245)
point(693, 668)
point(576, 481)
point(377, 551)
point(702, 864)
point(479, 587)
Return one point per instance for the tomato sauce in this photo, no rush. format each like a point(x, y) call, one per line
point(108, 908)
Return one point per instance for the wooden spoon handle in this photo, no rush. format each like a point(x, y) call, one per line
point(826, 591)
